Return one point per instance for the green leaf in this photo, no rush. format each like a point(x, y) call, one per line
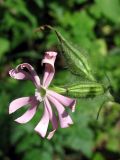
point(40, 4)
point(80, 1)
point(110, 9)
point(37, 154)
point(82, 141)
point(98, 156)
point(27, 141)
point(4, 46)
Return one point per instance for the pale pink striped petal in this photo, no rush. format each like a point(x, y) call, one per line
point(20, 102)
point(53, 118)
point(66, 101)
point(20, 73)
point(48, 75)
point(42, 126)
point(32, 72)
point(49, 60)
point(65, 119)
point(28, 115)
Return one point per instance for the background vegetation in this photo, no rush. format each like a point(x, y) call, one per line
point(93, 25)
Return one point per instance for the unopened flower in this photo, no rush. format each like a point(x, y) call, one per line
point(26, 72)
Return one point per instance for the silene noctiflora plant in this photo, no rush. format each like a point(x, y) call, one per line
point(52, 96)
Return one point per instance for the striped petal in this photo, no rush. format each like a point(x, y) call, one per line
point(53, 118)
point(42, 126)
point(20, 102)
point(21, 74)
point(49, 60)
point(66, 101)
point(65, 119)
point(28, 115)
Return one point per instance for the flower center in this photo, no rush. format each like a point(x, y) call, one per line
point(40, 93)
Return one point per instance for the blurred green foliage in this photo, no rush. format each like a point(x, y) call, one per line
point(93, 25)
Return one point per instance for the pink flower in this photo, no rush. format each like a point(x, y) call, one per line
point(26, 72)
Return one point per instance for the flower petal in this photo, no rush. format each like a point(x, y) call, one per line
point(65, 119)
point(53, 119)
point(51, 134)
point(32, 72)
point(28, 115)
point(18, 103)
point(42, 126)
point(66, 101)
point(21, 74)
point(49, 60)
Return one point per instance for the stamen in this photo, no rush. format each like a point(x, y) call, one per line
point(40, 94)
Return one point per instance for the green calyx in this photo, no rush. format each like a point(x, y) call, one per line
point(59, 90)
point(81, 90)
